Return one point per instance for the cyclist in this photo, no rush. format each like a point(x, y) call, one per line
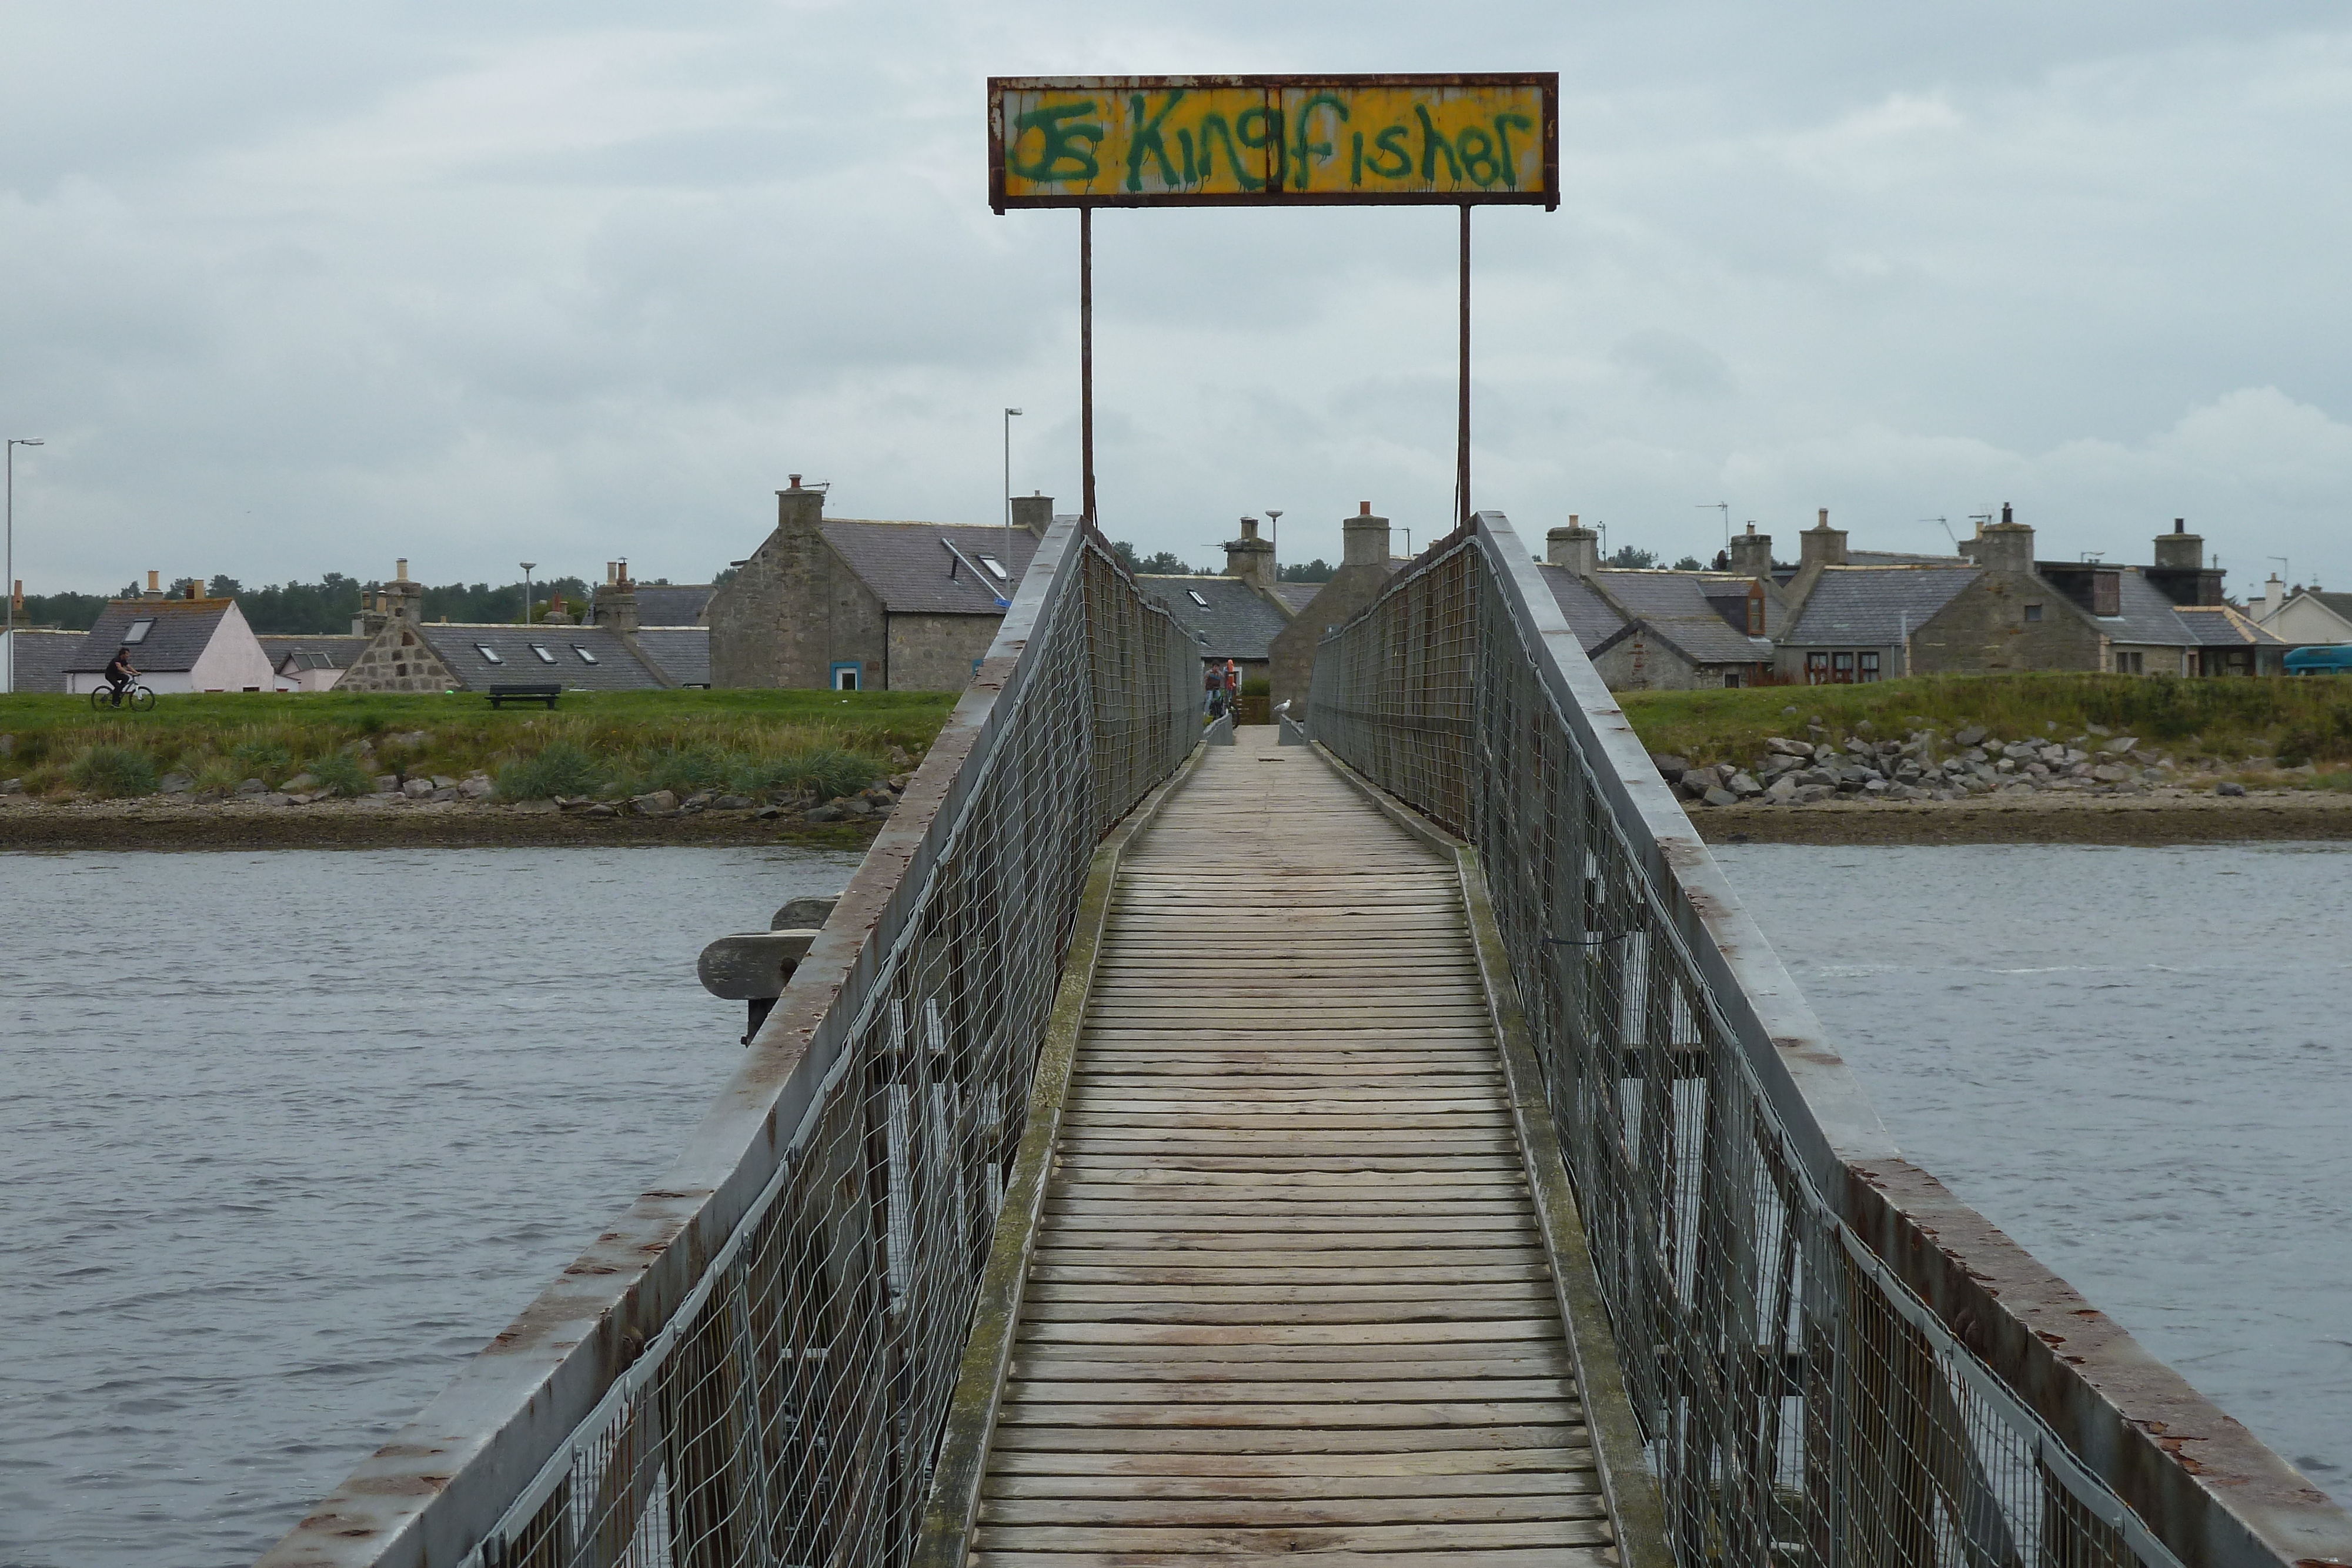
point(119, 671)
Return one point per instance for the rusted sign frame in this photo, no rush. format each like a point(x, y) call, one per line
point(1545, 82)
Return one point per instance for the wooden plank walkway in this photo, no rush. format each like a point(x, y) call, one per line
point(1288, 1294)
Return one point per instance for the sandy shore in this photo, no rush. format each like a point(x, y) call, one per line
point(157, 823)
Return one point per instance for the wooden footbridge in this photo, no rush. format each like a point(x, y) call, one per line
point(1393, 1147)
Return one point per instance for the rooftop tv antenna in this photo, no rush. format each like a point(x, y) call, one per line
point(1724, 507)
point(1946, 524)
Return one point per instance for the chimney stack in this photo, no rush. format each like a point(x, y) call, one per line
point(1034, 512)
point(2004, 545)
point(799, 509)
point(1366, 538)
point(1822, 545)
point(2181, 549)
point(1574, 547)
point(154, 585)
point(1752, 554)
point(616, 605)
point(1250, 557)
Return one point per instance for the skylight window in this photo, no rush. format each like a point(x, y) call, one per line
point(138, 632)
point(487, 651)
point(544, 657)
point(995, 566)
point(585, 656)
point(1194, 594)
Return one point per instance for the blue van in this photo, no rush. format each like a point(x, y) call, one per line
point(2328, 659)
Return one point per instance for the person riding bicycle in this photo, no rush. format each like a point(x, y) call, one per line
point(119, 671)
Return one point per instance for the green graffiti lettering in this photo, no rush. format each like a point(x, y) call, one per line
point(1303, 152)
point(1503, 123)
point(1432, 144)
point(1479, 155)
point(1184, 145)
point(1392, 141)
point(1073, 145)
point(1215, 128)
point(1269, 124)
point(1356, 161)
point(1146, 140)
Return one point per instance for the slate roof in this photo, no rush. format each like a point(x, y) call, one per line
point(42, 657)
point(184, 628)
point(1297, 595)
point(672, 603)
point(1677, 605)
point(324, 653)
point(1236, 623)
point(1862, 606)
point(682, 651)
point(2223, 626)
point(1588, 615)
point(1901, 558)
point(2148, 616)
point(615, 669)
point(912, 571)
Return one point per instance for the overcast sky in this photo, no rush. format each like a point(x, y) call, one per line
point(291, 287)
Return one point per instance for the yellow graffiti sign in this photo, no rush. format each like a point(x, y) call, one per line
point(1155, 140)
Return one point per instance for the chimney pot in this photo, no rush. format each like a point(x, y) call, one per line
point(1824, 519)
point(154, 582)
point(400, 570)
point(1249, 527)
point(2180, 525)
point(1363, 508)
point(2006, 519)
point(796, 481)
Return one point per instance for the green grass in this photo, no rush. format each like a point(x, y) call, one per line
point(815, 740)
point(2291, 720)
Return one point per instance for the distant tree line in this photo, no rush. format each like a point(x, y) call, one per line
point(321, 608)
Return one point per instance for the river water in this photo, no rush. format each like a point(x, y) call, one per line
point(286, 1136)
point(2133, 1062)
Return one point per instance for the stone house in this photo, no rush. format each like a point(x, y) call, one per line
point(178, 642)
point(1235, 617)
point(311, 663)
point(407, 653)
point(852, 604)
point(1365, 568)
point(1662, 629)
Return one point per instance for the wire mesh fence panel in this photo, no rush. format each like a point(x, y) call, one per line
point(789, 1412)
point(1799, 1405)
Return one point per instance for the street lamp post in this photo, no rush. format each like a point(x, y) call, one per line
point(526, 591)
point(1274, 523)
point(8, 574)
point(1010, 415)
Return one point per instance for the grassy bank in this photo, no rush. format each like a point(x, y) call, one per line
point(607, 742)
point(2277, 723)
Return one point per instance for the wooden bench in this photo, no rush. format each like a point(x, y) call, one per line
point(539, 692)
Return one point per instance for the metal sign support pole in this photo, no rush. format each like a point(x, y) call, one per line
point(1087, 361)
point(1461, 433)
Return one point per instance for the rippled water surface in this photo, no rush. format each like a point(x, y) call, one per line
point(286, 1136)
point(2137, 1062)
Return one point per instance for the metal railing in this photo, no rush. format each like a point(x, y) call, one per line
point(753, 1367)
point(1767, 1259)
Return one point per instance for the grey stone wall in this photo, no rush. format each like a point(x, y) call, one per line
point(398, 661)
point(794, 609)
point(1640, 662)
point(1984, 630)
point(934, 653)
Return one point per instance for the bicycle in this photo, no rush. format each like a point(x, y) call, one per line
point(135, 696)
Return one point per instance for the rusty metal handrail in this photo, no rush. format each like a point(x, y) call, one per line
point(1835, 1360)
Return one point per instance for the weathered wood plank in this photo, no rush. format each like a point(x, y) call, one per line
point(1274, 1513)
point(1293, 1540)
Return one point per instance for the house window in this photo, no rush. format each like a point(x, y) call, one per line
point(2131, 663)
point(1731, 680)
point(1866, 666)
point(1841, 669)
point(544, 657)
point(848, 675)
point(1816, 669)
point(488, 652)
point(585, 656)
point(993, 567)
point(2033, 612)
point(408, 639)
point(1194, 595)
point(138, 632)
point(1755, 615)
